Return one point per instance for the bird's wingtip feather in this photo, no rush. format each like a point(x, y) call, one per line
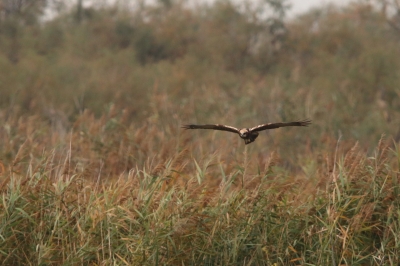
point(185, 126)
point(306, 122)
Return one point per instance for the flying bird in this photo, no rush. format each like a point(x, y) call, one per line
point(250, 134)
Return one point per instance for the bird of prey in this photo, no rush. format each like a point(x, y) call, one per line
point(250, 134)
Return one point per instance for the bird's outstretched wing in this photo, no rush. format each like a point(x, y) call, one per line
point(302, 123)
point(215, 127)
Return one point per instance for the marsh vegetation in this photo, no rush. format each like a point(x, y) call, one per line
point(95, 169)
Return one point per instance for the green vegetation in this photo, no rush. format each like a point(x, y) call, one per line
point(95, 169)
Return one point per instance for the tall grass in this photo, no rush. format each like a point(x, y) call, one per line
point(189, 214)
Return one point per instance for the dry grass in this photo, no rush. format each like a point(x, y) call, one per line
point(90, 201)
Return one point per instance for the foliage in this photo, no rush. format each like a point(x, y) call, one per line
point(95, 168)
point(185, 212)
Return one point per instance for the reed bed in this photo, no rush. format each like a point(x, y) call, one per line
point(88, 203)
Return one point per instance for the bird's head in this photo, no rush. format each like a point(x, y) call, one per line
point(244, 132)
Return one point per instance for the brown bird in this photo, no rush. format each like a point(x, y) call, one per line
point(250, 134)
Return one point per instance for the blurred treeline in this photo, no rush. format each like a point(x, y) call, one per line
point(172, 63)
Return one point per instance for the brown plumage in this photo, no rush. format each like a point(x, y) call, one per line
point(250, 134)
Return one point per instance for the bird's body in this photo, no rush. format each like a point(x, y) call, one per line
point(250, 134)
